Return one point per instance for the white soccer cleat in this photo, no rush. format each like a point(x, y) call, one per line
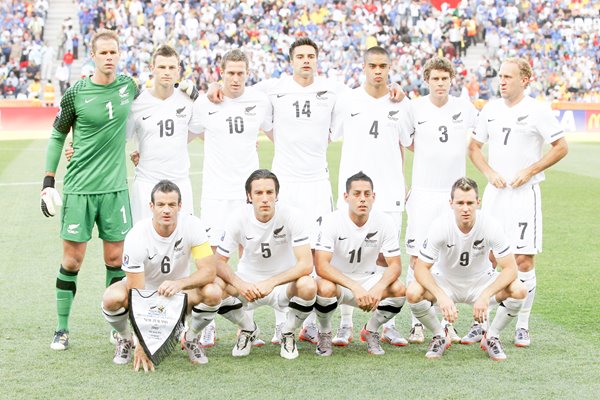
point(310, 333)
point(437, 347)
point(522, 338)
point(372, 340)
point(243, 345)
point(60, 340)
point(343, 336)
point(289, 350)
point(209, 336)
point(450, 332)
point(417, 334)
point(475, 335)
point(494, 348)
point(123, 350)
point(393, 337)
point(324, 348)
point(195, 351)
point(276, 339)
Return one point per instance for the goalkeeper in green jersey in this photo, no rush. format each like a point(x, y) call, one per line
point(95, 185)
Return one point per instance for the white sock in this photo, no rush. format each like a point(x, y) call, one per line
point(311, 319)
point(231, 309)
point(202, 315)
point(118, 320)
point(346, 313)
point(385, 312)
point(425, 313)
point(324, 307)
point(506, 312)
point(529, 280)
point(280, 317)
point(298, 310)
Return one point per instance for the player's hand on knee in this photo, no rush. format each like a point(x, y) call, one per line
point(480, 309)
point(135, 157)
point(188, 87)
point(140, 359)
point(69, 151)
point(51, 200)
point(215, 93)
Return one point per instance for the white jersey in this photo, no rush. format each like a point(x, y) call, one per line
point(302, 119)
point(440, 142)
point(355, 249)
point(268, 247)
point(516, 135)
point(162, 258)
point(373, 131)
point(460, 256)
point(231, 130)
point(161, 129)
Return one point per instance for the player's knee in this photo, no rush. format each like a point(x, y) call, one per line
point(211, 294)
point(525, 262)
point(307, 287)
point(518, 290)
point(414, 293)
point(114, 298)
point(397, 289)
point(326, 288)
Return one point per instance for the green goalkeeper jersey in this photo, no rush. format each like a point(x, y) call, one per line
point(98, 116)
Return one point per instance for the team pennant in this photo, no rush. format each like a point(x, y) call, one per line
point(157, 321)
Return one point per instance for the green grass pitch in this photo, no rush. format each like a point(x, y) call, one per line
point(561, 363)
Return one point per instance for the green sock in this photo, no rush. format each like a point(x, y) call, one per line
point(66, 287)
point(113, 274)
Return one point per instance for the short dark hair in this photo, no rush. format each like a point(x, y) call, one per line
point(164, 51)
point(376, 50)
point(260, 174)
point(465, 184)
point(359, 176)
point(303, 41)
point(165, 186)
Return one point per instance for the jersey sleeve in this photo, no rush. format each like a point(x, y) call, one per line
point(267, 122)
point(471, 116)
point(548, 126)
point(326, 238)
point(499, 243)
point(197, 232)
point(134, 252)
point(197, 124)
point(299, 231)
point(66, 116)
point(430, 248)
point(266, 85)
point(405, 126)
point(481, 132)
point(340, 110)
point(391, 244)
point(230, 239)
point(131, 126)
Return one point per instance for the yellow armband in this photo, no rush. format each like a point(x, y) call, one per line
point(202, 251)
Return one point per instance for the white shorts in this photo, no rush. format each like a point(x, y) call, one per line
point(277, 299)
point(422, 208)
point(367, 281)
point(214, 214)
point(465, 294)
point(520, 212)
point(314, 199)
point(140, 198)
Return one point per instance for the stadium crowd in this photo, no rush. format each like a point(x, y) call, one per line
point(559, 37)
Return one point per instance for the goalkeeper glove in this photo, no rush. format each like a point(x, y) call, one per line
point(188, 87)
point(50, 197)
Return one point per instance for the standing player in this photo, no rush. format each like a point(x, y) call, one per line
point(441, 124)
point(374, 132)
point(275, 266)
point(457, 246)
point(156, 256)
point(230, 132)
point(346, 254)
point(95, 187)
point(516, 127)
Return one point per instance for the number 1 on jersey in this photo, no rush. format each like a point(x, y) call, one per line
point(110, 110)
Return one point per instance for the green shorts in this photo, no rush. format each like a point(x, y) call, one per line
point(110, 211)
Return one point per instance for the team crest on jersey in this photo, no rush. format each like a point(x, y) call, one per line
point(123, 92)
point(392, 115)
point(369, 241)
point(179, 112)
point(321, 95)
point(521, 119)
point(279, 237)
point(250, 110)
point(410, 243)
point(177, 246)
point(478, 244)
point(456, 118)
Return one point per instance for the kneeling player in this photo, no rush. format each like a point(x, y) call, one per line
point(156, 256)
point(275, 266)
point(458, 246)
point(346, 254)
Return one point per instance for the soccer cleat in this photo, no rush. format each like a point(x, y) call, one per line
point(289, 350)
point(324, 348)
point(522, 338)
point(123, 350)
point(417, 334)
point(244, 342)
point(393, 337)
point(450, 332)
point(208, 337)
point(493, 347)
point(373, 341)
point(310, 334)
point(343, 336)
point(475, 334)
point(112, 338)
point(437, 346)
point(276, 339)
point(60, 341)
point(195, 351)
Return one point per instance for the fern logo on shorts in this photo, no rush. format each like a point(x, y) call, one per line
point(73, 229)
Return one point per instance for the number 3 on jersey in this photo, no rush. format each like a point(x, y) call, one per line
point(305, 109)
